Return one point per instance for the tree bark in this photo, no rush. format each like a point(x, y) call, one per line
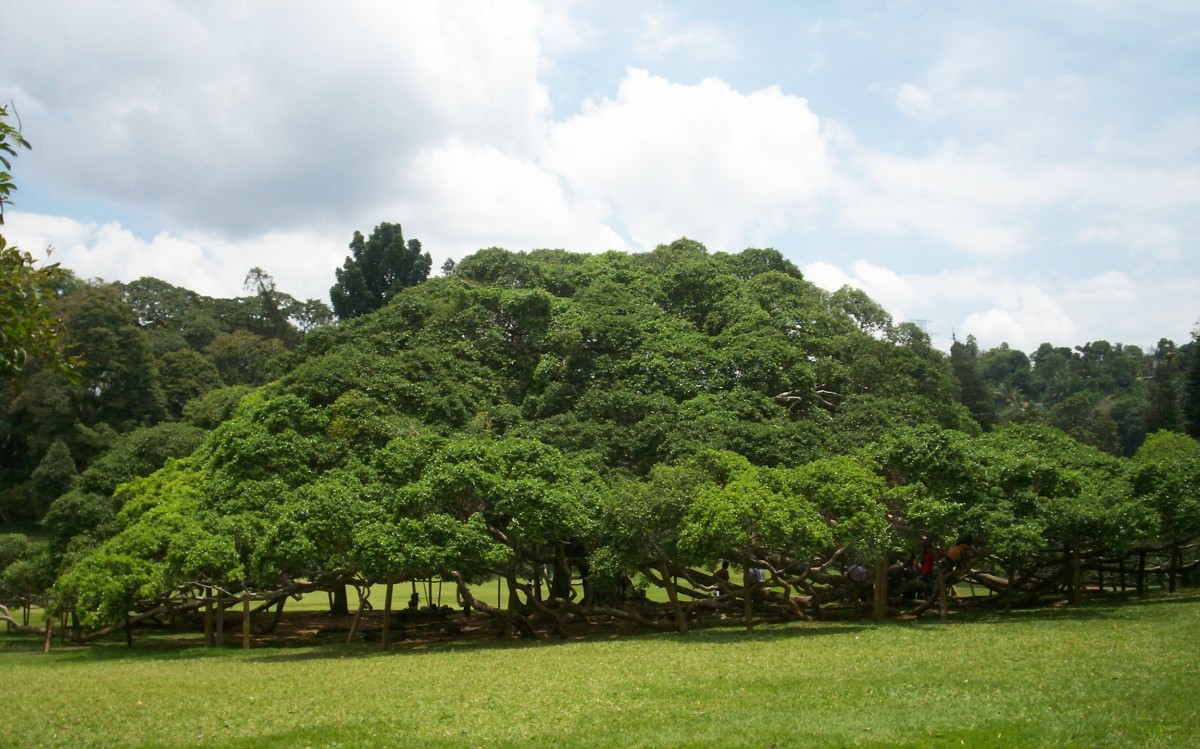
point(881, 587)
point(560, 580)
point(357, 617)
point(1076, 576)
point(943, 595)
point(1173, 569)
point(14, 626)
point(748, 601)
point(339, 604)
point(673, 596)
point(387, 616)
point(209, 634)
point(246, 623)
point(220, 619)
point(276, 617)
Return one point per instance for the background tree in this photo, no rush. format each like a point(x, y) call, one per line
point(376, 270)
point(29, 327)
point(246, 358)
point(185, 375)
point(54, 475)
point(1191, 412)
point(973, 391)
point(10, 140)
point(1164, 412)
point(119, 379)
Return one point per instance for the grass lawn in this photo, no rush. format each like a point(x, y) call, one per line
point(1107, 674)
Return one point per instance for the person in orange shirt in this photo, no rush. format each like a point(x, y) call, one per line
point(956, 553)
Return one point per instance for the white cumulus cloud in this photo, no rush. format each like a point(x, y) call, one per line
point(704, 161)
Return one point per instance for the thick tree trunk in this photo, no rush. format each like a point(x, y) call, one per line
point(560, 583)
point(339, 604)
point(881, 587)
point(387, 616)
point(673, 597)
point(357, 616)
point(1141, 571)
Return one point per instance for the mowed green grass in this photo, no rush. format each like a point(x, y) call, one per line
point(1105, 674)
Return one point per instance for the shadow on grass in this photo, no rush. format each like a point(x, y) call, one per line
point(1092, 608)
point(729, 631)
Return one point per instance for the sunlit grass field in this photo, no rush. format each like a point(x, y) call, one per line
point(1110, 673)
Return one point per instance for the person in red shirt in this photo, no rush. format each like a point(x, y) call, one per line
point(928, 562)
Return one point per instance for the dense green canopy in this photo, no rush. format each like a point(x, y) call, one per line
point(537, 416)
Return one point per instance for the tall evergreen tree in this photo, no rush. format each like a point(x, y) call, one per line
point(1191, 403)
point(54, 476)
point(376, 270)
point(1163, 411)
point(973, 390)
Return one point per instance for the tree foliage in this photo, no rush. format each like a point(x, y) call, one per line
point(29, 328)
point(376, 270)
point(545, 417)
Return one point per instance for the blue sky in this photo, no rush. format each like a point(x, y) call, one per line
point(1024, 172)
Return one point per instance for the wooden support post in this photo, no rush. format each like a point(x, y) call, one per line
point(881, 587)
point(246, 623)
point(943, 595)
point(748, 606)
point(220, 619)
point(49, 634)
point(1076, 576)
point(387, 616)
point(209, 635)
point(1141, 571)
point(1173, 568)
point(1121, 573)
